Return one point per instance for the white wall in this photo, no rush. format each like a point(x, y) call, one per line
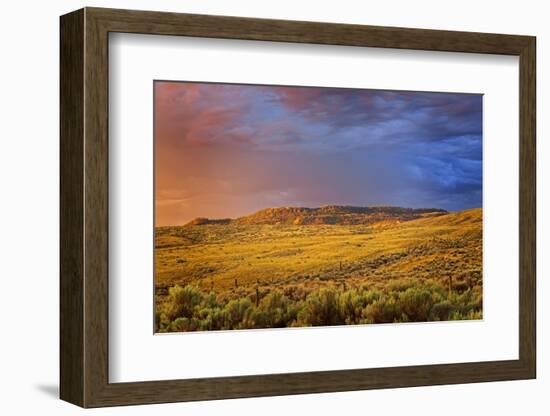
point(29, 208)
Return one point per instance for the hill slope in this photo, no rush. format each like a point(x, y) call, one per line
point(432, 246)
point(250, 274)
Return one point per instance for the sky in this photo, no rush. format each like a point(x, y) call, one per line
point(228, 150)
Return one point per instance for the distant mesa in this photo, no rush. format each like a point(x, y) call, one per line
point(205, 221)
point(327, 214)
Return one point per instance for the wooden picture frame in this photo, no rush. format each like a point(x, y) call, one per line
point(84, 207)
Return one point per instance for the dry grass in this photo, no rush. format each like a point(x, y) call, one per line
point(234, 261)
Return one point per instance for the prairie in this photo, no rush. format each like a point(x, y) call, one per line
point(298, 268)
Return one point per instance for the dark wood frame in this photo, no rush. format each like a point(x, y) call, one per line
point(84, 207)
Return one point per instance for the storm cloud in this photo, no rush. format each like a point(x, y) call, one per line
point(224, 150)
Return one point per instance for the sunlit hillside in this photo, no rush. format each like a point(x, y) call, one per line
point(325, 266)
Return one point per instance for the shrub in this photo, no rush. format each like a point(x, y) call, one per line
point(441, 311)
point(210, 300)
point(236, 310)
point(188, 309)
point(182, 302)
point(416, 304)
point(381, 311)
point(212, 319)
point(184, 324)
point(277, 311)
point(352, 302)
point(321, 308)
point(460, 316)
point(255, 318)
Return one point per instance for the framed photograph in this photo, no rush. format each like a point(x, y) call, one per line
point(254, 207)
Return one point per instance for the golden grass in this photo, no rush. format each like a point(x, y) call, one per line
point(213, 257)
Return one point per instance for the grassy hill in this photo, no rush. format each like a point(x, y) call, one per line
point(297, 253)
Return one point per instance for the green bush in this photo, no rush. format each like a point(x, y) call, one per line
point(416, 304)
point(382, 311)
point(352, 303)
point(321, 308)
point(182, 302)
point(235, 311)
point(277, 311)
point(213, 319)
point(189, 309)
point(184, 324)
point(441, 311)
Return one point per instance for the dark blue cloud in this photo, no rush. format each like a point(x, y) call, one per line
point(432, 141)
